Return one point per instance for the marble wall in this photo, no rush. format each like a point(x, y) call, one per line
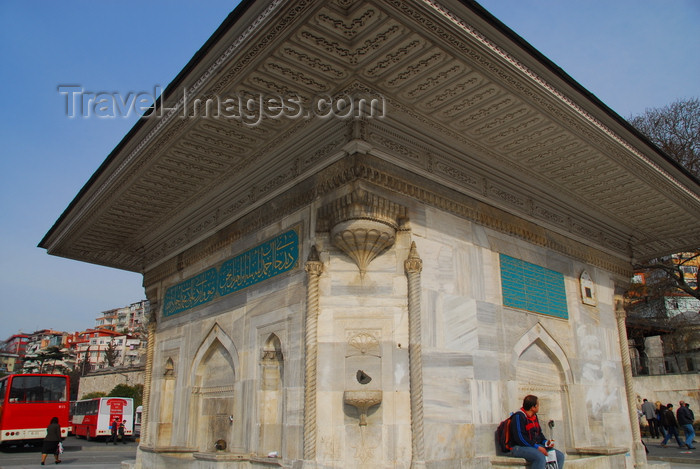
point(238, 363)
point(669, 389)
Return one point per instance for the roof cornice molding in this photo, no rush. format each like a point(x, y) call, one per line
point(153, 125)
point(476, 111)
point(443, 12)
point(396, 185)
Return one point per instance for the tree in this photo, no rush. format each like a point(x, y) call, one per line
point(665, 301)
point(74, 376)
point(675, 129)
point(669, 273)
point(94, 394)
point(111, 353)
point(84, 365)
point(124, 390)
point(653, 304)
point(52, 353)
point(683, 341)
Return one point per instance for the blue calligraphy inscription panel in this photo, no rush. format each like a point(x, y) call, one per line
point(534, 288)
point(190, 293)
point(260, 263)
point(265, 261)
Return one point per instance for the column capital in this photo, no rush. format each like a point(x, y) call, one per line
point(620, 312)
point(413, 264)
point(313, 265)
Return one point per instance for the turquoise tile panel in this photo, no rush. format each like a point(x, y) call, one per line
point(192, 292)
point(271, 258)
point(260, 263)
point(531, 287)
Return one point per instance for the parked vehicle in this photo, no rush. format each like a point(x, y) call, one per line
point(137, 421)
point(92, 418)
point(28, 402)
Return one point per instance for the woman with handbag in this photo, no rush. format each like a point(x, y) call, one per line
point(51, 441)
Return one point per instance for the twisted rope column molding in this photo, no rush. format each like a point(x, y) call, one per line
point(639, 454)
point(150, 348)
point(314, 268)
point(413, 266)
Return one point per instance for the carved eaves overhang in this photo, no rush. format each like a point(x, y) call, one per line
point(467, 105)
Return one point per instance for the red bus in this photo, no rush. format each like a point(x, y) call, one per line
point(92, 417)
point(28, 402)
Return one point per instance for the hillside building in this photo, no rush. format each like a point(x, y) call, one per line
point(37, 344)
point(92, 346)
point(128, 319)
point(12, 352)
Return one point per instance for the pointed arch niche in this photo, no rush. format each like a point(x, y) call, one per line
point(167, 402)
point(213, 379)
point(540, 367)
point(271, 396)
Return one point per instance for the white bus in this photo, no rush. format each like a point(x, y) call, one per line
point(93, 417)
point(137, 421)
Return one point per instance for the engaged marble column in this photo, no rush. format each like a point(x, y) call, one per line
point(640, 458)
point(413, 267)
point(148, 378)
point(313, 268)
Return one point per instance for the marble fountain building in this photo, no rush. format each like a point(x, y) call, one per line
point(378, 285)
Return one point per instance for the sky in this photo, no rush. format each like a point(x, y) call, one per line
point(632, 54)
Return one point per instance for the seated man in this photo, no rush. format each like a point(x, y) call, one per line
point(527, 438)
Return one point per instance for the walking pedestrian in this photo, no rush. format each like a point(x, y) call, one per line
point(659, 409)
point(685, 421)
point(114, 429)
point(122, 429)
point(671, 426)
point(650, 414)
point(51, 441)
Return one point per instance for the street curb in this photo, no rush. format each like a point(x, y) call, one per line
point(675, 460)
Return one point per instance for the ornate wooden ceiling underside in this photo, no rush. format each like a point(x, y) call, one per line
point(464, 107)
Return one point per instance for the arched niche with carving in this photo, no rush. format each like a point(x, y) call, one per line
point(271, 396)
point(164, 428)
point(540, 366)
point(212, 381)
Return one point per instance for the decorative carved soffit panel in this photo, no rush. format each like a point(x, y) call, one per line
point(362, 225)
